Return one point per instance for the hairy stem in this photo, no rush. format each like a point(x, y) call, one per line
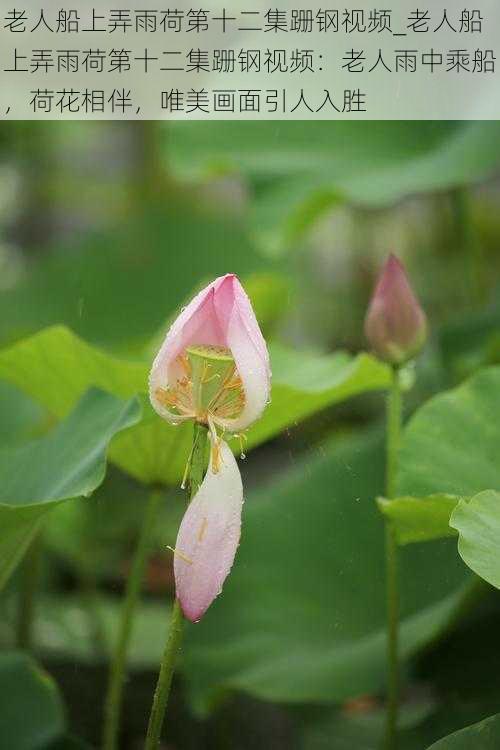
point(114, 696)
point(391, 556)
point(174, 636)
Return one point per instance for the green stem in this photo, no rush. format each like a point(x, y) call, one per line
point(174, 637)
point(394, 403)
point(394, 408)
point(30, 574)
point(114, 696)
point(160, 700)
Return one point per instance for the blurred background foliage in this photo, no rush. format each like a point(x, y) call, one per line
point(108, 228)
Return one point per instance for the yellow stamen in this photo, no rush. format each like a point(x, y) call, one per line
point(180, 554)
point(215, 452)
point(202, 530)
point(243, 439)
point(208, 387)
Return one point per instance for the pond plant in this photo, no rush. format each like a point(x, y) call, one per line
point(335, 612)
point(395, 327)
point(213, 370)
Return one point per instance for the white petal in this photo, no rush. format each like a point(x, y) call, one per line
point(247, 345)
point(208, 537)
point(253, 370)
point(197, 323)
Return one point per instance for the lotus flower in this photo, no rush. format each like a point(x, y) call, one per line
point(213, 368)
point(220, 316)
point(395, 324)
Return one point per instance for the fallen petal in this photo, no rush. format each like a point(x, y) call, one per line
point(208, 537)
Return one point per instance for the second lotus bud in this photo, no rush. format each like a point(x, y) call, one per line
point(395, 324)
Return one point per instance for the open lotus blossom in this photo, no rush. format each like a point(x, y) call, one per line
point(213, 368)
point(395, 324)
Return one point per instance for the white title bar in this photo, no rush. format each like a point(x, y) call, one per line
point(250, 60)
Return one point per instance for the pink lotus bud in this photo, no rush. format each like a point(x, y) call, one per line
point(395, 324)
point(209, 535)
point(213, 365)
